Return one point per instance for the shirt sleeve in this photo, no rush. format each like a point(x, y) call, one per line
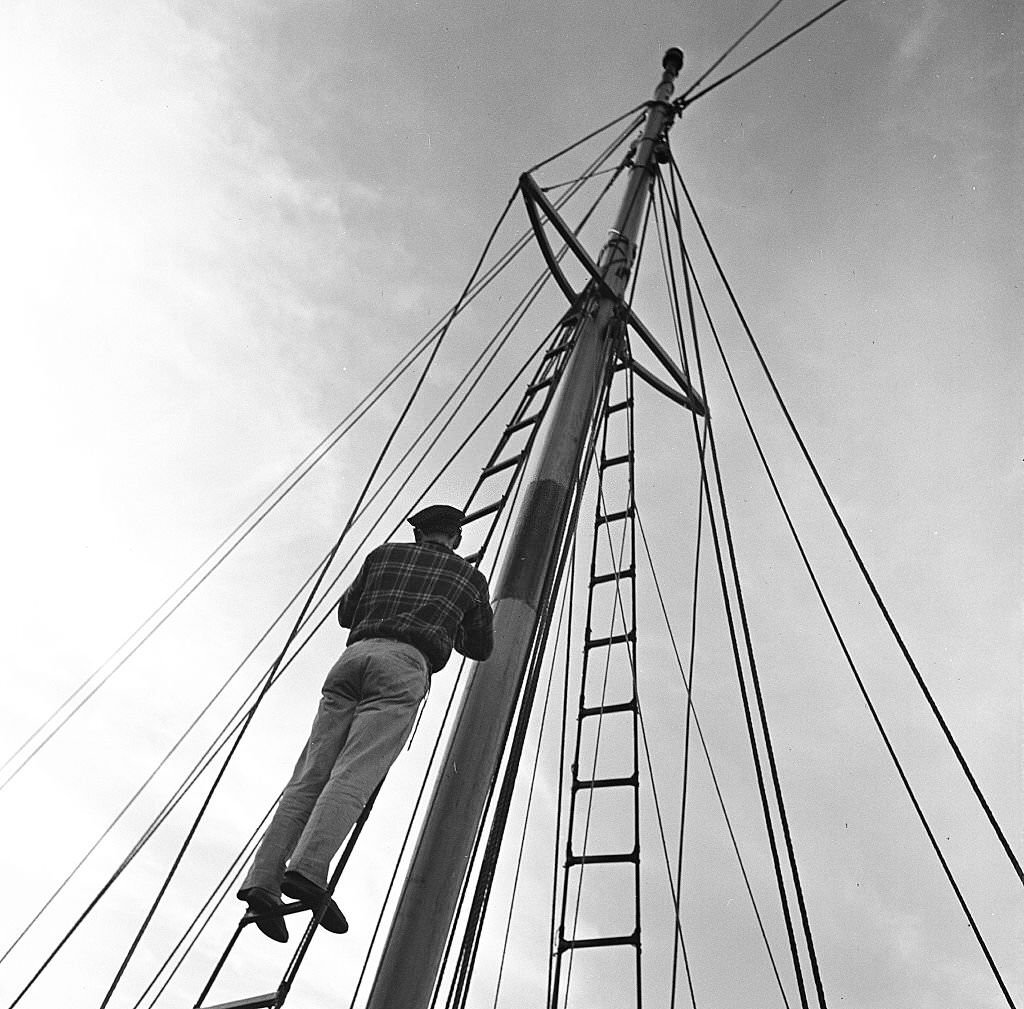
point(350, 599)
point(475, 636)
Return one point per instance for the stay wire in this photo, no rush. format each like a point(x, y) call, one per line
point(853, 667)
point(560, 795)
point(734, 639)
point(721, 59)
point(690, 99)
point(215, 747)
point(295, 630)
point(748, 639)
point(431, 763)
point(450, 317)
point(180, 795)
point(459, 991)
point(566, 601)
point(684, 790)
point(711, 770)
point(669, 275)
point(607, 126)
point(497, 402)
point(209, 908)
point(564, 552)
point(852, 546)
point(298, 472)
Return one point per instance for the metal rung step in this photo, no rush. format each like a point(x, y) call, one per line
point(609, 709)
point(616, 407)
point(611, 576)
point(497, 467)
point(613, 940)
point(253, 1002)
point(481, 512)
point(555, 351)
point(619, 858)
point(615, 639)
point(525, 422)
point(633, 781)
point(542, 383)
point(616, 460)
point(626, 513)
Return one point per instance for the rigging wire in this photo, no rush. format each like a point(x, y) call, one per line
point(711, 767)
point(853, 667)
point(500, 806)
point(524, 304)
point(227, 733)
point(561, 781)
point(431, 765)
point(730, 619)
point(919, 678)
point(721, 59)
point(306, 606)
point(567, 597)
point(748, 641)
point(237, 669)
point(607, 126)
point(669, 275)
point(689, 99)
point(299, 471)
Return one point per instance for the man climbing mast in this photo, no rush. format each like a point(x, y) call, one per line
point(409, 606)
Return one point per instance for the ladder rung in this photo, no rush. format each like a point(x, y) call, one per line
point(633, 781)
point(609, 859)
point(253, 1002)
point(615, 460)
point(615, 639)
point(525, 422)
point(612, 940)
point(481, 512)
point(555, 351)
point(609, 709)
point(626, 513)
point(612, 575)
point(542, 383)
point(616, 407)
point(497, 467)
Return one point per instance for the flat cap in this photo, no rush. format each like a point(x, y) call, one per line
point(437, 517)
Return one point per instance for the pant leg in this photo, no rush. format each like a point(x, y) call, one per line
point(394, 683)
point(330, 729)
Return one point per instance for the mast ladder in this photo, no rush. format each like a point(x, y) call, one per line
point(509, 456)
point(605, 766)
point(508, 461)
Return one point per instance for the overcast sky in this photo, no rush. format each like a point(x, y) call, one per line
point(223, 222)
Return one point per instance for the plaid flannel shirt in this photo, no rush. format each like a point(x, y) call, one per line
point(423, 594)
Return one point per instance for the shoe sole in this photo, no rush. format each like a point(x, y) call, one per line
point(309, 893)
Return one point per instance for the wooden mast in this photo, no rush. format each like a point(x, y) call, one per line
point(427, 905)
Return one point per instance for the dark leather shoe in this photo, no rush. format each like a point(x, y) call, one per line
point(262, 902)
point(300, 888)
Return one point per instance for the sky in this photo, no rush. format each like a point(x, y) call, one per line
point(224, 222)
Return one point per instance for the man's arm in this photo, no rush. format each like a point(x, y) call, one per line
point(350, 599)
point(476, 637)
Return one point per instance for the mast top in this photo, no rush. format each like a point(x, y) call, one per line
point(673, 61)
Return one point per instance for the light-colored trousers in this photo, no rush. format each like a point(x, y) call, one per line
point(366, 713)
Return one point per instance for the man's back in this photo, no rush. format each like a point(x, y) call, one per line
point(423, 594)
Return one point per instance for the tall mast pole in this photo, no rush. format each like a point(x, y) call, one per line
point(427, 905)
